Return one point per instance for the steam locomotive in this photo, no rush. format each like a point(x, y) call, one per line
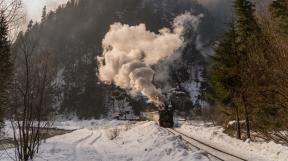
point(166, 118)
point(163, 117)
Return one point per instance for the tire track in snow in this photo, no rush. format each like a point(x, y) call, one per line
point(96, 147)
point(90, 147)
point(96, 139)
point(76, 144)
point(83, 139)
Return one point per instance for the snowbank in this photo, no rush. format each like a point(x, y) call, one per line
point(143, 141)
point(94, 124)
point(264, 151)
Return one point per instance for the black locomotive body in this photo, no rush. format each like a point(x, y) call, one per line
point(166, 118)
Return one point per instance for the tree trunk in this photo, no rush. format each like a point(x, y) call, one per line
point(247, 120)
point(247, 123)
point(238, 126)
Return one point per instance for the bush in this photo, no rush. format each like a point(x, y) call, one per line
point(113, 133)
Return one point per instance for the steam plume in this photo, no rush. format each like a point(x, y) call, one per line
point(130, 51)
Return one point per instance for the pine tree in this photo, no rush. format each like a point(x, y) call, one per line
point(279, 10)
point(224, 79)
point(245, 22)
point(5, 65)
point(30, 25)
point(44, 14)
point(231, 74)
point(247, 31)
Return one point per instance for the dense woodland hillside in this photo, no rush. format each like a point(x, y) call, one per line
point(73, 35)
point(216, 69)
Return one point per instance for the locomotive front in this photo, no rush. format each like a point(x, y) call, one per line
point(166, 116)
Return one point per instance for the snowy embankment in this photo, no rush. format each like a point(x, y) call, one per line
point(252, 151)
point(71, 125)
point(94, 141)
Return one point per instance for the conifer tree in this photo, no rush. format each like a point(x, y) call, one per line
point(224, 76)
point(247, 32)
point(279, 10)
point(230, 78)
point(44, 14)
point(5, 64)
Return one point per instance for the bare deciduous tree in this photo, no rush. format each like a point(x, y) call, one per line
point(10, 11)
point(269, 82)
point(30, 96)
point(13, 12)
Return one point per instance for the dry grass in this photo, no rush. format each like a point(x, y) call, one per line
point(112, 134)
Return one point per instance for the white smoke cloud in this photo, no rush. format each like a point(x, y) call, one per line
point(188, 25)
point(130, 51)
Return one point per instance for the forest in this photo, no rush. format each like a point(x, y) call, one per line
point(231, 70)
point(72, 52)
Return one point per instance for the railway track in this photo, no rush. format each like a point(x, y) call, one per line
point(214, 152)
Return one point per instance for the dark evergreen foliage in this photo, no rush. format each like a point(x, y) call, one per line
point(73, 33)
point(5, 65)
point(224, 77)
point(279, 10)
point(230, 76)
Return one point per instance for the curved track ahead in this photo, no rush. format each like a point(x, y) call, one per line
point(214, 152)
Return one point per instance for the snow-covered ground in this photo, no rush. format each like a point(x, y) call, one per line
point(252, 151)
point(94, 124)
point(72, 124)
point(143, 141)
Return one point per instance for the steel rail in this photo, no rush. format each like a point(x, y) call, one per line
point(215, 152)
